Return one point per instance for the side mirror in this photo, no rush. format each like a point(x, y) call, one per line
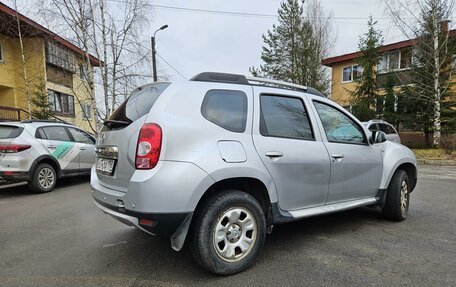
point(378, 137)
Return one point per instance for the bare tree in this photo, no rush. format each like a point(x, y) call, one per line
point(110, 31)
point(433, 51)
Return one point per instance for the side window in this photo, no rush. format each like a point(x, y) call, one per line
point(225, 108)
point(80, 136)
point(284, 117)
point(387, 129)
point(56, 134)
point(373, 127)
point(338, 126)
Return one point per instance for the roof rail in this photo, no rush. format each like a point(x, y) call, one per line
point(276, 83)
point(247, 80)
point(45, 121)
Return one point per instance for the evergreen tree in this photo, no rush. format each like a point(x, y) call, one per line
point(295, 46)
point(41, 107)
point(391, 113)
point(366, 93)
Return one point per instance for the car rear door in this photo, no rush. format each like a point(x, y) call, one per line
point(86, 145)
point(356, 166)
point(58, 143)
point(286, 140)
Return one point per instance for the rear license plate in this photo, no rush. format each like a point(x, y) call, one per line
point(105, 166)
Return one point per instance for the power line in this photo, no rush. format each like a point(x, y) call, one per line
point(244, 14)
point(171, 66)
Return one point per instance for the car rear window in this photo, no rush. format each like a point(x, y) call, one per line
point(226, 108)
point(138, 103)
point(10, 132)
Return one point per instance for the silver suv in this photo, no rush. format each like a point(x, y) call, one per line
point(41, 152)
point(218, 160)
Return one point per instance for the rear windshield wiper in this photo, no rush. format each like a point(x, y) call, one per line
point(114, 123)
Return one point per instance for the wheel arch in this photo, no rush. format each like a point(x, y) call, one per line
point(250, 185)
point(45, 159)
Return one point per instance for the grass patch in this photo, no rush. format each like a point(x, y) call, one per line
point(431, 153)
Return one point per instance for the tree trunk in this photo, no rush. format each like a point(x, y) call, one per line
point(435, 35)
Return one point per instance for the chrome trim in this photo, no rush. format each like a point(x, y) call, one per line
point(125, 219)
point(332, 207)
point(110, 152)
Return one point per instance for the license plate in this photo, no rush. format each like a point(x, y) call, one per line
point(105, 166)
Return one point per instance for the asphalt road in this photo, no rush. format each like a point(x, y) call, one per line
point(62, 239)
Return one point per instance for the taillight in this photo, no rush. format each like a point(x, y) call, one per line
point(149, 145)
point(12, 148)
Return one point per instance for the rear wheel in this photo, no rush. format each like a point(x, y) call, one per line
point(228, 232)
point(397, 197)
point(44, 178)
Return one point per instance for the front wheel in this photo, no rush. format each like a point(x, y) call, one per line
point(228, 232)
point(397, 197)
point(44, 178)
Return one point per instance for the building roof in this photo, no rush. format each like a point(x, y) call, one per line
point(394, 46)
point(33, 29)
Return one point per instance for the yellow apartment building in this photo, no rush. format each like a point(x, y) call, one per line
point(395, 59)
point(49, 64)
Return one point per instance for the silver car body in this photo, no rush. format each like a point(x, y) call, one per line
point(301, 178)
point(67, 155)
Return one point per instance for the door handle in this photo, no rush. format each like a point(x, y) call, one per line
point(274, 154)
point(337, 155)
point(82, 148)
point(51, 146)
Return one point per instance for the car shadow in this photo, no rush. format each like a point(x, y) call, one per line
point(157, 257)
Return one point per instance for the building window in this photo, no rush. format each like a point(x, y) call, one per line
point(61, 103)
point(83, 72)
point(59, 56)
point(351, 73)
point(395, 61)
point(86, 111)
point(1, 52)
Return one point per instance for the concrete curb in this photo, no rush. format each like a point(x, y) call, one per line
point(440, 162)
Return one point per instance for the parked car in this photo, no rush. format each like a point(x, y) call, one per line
point(218, 160)
point(387, 128)
point(41, 152)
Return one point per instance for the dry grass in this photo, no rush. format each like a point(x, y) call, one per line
point(431, 154)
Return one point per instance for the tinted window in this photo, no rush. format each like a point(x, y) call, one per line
point(284, 117)
point(138, 103)
point(56, 133)
point(338, 126)
point(9, 132)
point(387, 129)
point(227, 109)
point(81, 137)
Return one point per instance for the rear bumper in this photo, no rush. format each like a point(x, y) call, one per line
point(161, 224)
point(14, 176)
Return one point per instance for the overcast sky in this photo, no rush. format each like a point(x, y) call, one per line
point(204, 41)
point(196, 42)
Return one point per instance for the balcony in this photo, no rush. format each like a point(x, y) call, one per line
point(10, 114)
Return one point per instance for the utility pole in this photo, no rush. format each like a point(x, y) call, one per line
point(154, 61)
point(154, 52)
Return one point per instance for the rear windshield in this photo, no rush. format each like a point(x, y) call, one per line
point(138, 103)
point(10, 132)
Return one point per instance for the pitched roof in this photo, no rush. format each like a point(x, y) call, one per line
point(394, 46)
point(33, 28)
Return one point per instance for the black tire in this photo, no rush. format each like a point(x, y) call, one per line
point(206, 253)
point(396, 208)
point(46, 170)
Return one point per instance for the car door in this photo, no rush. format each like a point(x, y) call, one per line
point(58, 143)
point(356, 166)
point(293, 153)
point(86, 145)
